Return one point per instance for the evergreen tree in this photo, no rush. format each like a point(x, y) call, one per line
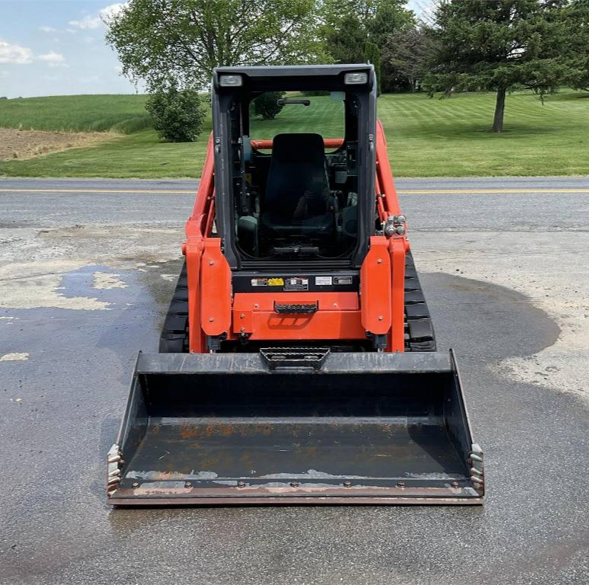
point(356, 30)
point(499, 45)
point(372, 55)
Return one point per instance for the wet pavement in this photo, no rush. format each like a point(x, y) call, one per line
point(77, 303)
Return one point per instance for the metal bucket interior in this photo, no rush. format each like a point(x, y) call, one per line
point(238, 434)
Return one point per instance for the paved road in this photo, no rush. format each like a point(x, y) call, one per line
point(55, 202)
point(86, 268)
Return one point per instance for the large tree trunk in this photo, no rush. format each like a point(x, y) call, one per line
point(499, 110)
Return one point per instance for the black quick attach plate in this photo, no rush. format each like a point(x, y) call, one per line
point(294, 357)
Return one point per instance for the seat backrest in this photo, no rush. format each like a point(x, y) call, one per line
point(297, 166)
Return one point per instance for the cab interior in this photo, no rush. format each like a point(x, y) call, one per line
point(299, 198)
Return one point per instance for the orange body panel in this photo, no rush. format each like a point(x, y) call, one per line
point(379, 308)
point(193, 252)
point(375, 284)
point(197, 229)
point(384, 174)
point(338, 316)
point(397, 249)
point(215, 290)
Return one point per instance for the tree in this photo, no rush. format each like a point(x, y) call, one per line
point(177, 115)
point(350, 26)
point(406, 56)
point(345, 41)
point(372, 55)
point(383, 13)
point(179, 42)
point(390, 17)
point(267, 105)
point(577, 19)
point(499, 45)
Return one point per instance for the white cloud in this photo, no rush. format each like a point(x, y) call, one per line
point(104, 16)
point(112, 11)
point(47, 29)
point(88, 22)
point(52, 57)
point(15, 54)
point(118, 69)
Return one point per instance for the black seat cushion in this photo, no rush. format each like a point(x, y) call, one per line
point(297, 198)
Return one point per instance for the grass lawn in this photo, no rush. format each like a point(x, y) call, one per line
point(426, 137)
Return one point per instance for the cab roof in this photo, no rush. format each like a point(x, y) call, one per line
point(294, 77)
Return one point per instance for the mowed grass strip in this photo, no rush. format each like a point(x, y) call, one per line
point(426, 137)
point(451, 137)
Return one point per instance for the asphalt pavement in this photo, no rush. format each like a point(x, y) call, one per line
point(86, 271)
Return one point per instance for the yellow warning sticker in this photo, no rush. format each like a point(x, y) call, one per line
point(276, 282)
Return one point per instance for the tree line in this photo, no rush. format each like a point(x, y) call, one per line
point(464, 45)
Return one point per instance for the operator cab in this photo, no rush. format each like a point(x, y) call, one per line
point(300, 184)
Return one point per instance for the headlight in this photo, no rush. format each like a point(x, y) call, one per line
point(355, 78)
point(230, 80)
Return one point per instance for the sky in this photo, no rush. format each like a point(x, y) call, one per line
point(57, 47)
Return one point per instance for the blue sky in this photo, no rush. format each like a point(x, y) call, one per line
point(56, 47)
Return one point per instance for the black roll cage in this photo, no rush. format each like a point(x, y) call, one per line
point(293, 78)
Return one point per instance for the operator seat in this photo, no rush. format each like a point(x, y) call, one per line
point(297, 200)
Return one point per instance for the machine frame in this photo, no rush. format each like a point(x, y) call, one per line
point(217, 312)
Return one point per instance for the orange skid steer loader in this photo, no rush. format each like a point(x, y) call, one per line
point(297, 361)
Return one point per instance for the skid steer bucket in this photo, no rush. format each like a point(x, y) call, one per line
point(282, 428)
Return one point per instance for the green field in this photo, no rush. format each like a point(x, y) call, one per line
point(124, 114)
point(426, 137)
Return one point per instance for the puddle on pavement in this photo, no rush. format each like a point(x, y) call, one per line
point(486, 319)
point(99, 282)
point(151, 283)
point(159, 279)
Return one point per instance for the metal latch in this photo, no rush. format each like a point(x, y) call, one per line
point(296, 309)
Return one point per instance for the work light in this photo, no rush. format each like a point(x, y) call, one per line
point(230, 81)
point(355, 78)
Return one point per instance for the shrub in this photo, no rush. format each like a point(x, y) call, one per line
point(267, 105)
point(178, 116)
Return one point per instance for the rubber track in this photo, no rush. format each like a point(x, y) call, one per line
point(174, 336)
point(419, 332)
